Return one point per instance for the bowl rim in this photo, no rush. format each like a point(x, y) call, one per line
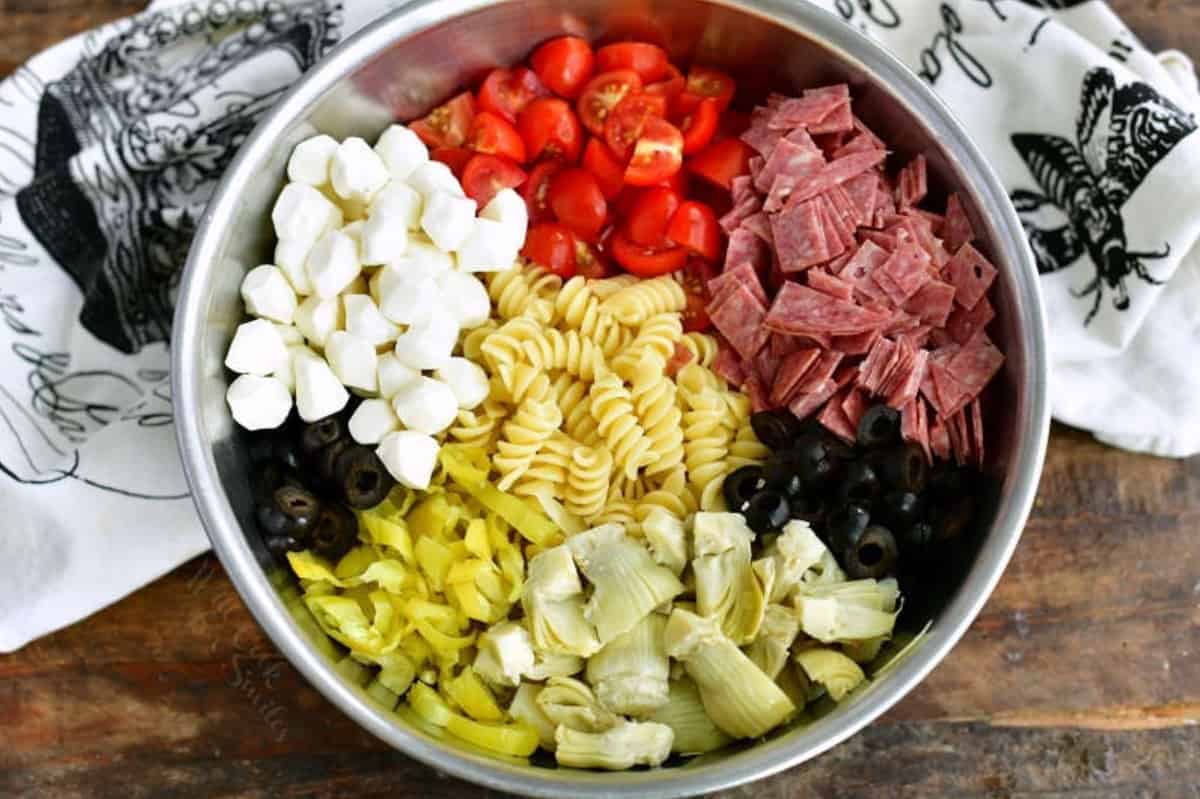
point(762, 759)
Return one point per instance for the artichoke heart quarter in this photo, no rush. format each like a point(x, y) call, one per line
point(771, 647)
point(630, 674)
point(552, 599)
point(727, 585)
point(570, 703)
point(851, 611)
point(739, 698)
point(627, 583)
point(796, 550)
point(839, 674)
point(628, 744)
point(695, 732)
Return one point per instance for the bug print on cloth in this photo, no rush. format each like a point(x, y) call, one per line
point(1121, 135)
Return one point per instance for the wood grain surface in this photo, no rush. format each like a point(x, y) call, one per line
point(1081, 678)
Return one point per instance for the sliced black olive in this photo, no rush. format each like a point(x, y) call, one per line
point(809, 508)
point(291, 511)
point(767, 511)
point(776, 429)
point(845, 524)
point(280, 545)
point(327, 460)
point(811, 460)
point(364, 480)
point(948, 481)
point(899, 509)
point(782, 477)
point(904, 467)
point(879, 427)
point(950, 517)
point(859, 484)
point(873, 555)
point(740, 485)
point(320, 434)
point(269, 476)
point(335, 532)
point(916, 540)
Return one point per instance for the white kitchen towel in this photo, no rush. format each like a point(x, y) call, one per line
point(111, 143)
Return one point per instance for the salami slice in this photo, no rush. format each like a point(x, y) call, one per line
point(759, 136)
point(783, 345)
point(800, 310)
point(976, 413)
point(766, 365)
point(976, 364)
point(732, 220)
point(680, 358)
point(822, 370)
point(884, 240)
point(957, 230)
point(872, 370)
point(744, 247)
point(729, 366)
point(799, 233)
point(838, 121)
point(908, 269)
point(826, 283)
point(913, 183)
point(754, 388)
point(806, 111)
point(740, 317)
point(884, 283)
point(858, 143)
point(837, 211)
point(861, 191)
point(963, 324)
point(836, 173)
point(971, 275)
point(742, 275)
point(933, 303)
point(859, 344)
point(862, 128)
point(791, 371)
point(870, 256)
point(939, 439)
point(905, 390)
point(789, 159)
point(741, 189)
point(937, 222)
point(855, 406)
point(834, 419)
point(760, 225)
point(804, 405)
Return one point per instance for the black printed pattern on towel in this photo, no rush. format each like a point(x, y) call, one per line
point(1121, 135)
point(132, 141)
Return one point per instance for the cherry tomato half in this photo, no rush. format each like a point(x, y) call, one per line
point(669, 87)
point(646, 261)
point(705, 82)
point(507, 91)
point(552, 247)
point(448, 124)
point(577, 202)
point(602, 94)
point(485, 175)
point(650, 215)
point(606, 168)
point(590, 263)
point(549, 127)
point(625, 124)
point(649, 61)
point(657, 155)
point(537, 190)
point(721, 162)
point(694, 226)
point(564, 65)
point(694, 278)
point(454, 157)
point(495, 135)
point(699, 126)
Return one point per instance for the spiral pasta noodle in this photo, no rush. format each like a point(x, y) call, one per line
point(524, 291)
point(706, 440)
point(672, 495)
point(520, 382)
point(588, 473)
point(506, 345)
point(746, 449)
point(472, 340)
point(656, 405)
point(603, 289)
point(702, 346)
point(578, 308)
point(634, 304)
point(657, 335)
point(572, 353)
point(612, 408)
point(572, 398)
point(521, 438)
point(477, 428)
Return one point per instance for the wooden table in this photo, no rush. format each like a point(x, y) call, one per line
point(1081, 678)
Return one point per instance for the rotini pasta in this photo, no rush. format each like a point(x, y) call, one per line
point(477, 428)
point(672, 495)
point(635, 303)
point(612, 408)
point(572, 398)
point(524, 291)
point(706, 439)
point(572, 353)
point(657, 335)
point(522, 436)
point(702, 346)
point(657, 408)
point(520, 382)
point(577, 307)
point(588, 475)
point(472, 340)
point(506, 346)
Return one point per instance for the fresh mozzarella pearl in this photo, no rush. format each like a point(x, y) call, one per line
point(466, 379)
point(356, 171)
point(267, 293)
point(465, 297)
point(259, 403)
point(393, 375)
point(372, 420)
point(408, 299)
point(291, 255)
point(333, 264)
point(434, 176)
point(402, 151)
point(319, 393)
point(310, 160)
point(353, 360)
point(429, 343)
point(302, 213)
point(400, 203)
point(424, 257)
point(447, 219)
point(409, 457)
point(256, 349)
point(425, 405)
point(316, 319)
point(508, 208)
point(364, 320)
point(290, 334)
point(384, 238)
point(488, 247)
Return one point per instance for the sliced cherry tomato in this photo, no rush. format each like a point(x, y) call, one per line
point(552, 247)
point(650, 215)
point(646, 261)
point(705, 82)
point(448, 124)
point(577, 202)
point(699, 126)
point(495, 135)
point(679, 183)
point(606, 168)
point(602, 94)
point(670, 87)
point(657, 155)
point(537, 190)
point(485, 175)
point(590, 263)
point(649, 61)
point(721, 162)
point(454, 157)
point(507, 91)
point(694, 278)
point(564, 65)
point(694, 227)
point(549, 127)
point(625, 124)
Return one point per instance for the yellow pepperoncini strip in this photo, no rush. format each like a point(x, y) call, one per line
point(515, 739)
point(464, 467)
point(470, 693)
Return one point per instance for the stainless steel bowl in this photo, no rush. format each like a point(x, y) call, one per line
point(401, 65)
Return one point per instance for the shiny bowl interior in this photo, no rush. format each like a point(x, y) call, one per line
point(403, 64)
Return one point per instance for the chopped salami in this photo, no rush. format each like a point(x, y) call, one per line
point(933, 303)
point(879, 360)
point(885, 204)
point(918, 336)
point(837, 238)
point(739, 317)
point(900, 322)
point(885, 240)
point(960, 437)
point(971, 274)
point(840, 211)
point(799, 233)
point(741, 189)
point(937, 222)
point(680, 358)
point(760, 225)
point(976, 411)
point(836, 173)
point(826, 283)
point(729, 366)
point(861, 191)
point(803, 406)
point(822, 370)
point(732, 220)
point(870, 256)
point(755, 165)
point(913, 183)
point(862, 128)
point(757, 391)
point(782, 345)
point(855, 406)
point(858, 143)
point(759, 136)
point(743, 274)
point(745, 247)
point(791, 371)
point(957, 230)
point(800, 310)
point(939, 439)
point(839, 122)
point(907, 267)
point(884, 283)
point(963, 324)
point(795, 161)
point(765, 365)
point(807, 111)
point(906, 390)
point(976, 364)
point(859, 344)
point(834, 419)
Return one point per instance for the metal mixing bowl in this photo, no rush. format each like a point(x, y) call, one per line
point(400, 66)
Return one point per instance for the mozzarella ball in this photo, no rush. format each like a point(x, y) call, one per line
point(447, 219)
point(364, 320)
point(409, 457)
point(508, 208)
point(428, 344)
point(291, 256)
point(393, 375)
point(259, 403)
point(400, 203)
point(310, 160)
point(401, 150)
point(407, 300)
point(465, 297)
point(257, 349)
point(434, 176)
point(384, 239)
point(267, 293)
point(316, 319)
point(425, 405)
point(333, 264)
point(319, 393)
point(356, 171)
point(488, 247)
point(302, 213)
point(372, 420)
point(353, 360)
point(466, 379)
